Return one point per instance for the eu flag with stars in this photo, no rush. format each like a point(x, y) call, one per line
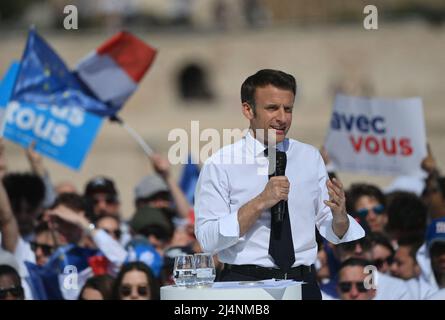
point(44, 79)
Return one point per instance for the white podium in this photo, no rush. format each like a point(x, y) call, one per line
point(243, 290)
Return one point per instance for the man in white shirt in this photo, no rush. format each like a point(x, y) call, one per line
point(234, 195)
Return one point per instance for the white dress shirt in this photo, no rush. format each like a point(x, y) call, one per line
point(236, 174)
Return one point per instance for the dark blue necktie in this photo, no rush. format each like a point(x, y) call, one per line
point(281, 247)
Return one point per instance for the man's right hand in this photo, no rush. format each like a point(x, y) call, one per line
point(277, 189)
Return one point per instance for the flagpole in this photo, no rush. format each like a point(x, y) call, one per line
point(136, 136)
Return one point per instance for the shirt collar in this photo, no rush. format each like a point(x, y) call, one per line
point(257, 148)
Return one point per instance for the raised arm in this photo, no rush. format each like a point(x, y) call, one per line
point(8, 224)
point(162, 167)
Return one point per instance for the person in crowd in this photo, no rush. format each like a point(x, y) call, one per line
point(390, 288)
point(407, 216)
point(161, 190)
point(367, 203)
point(405, 267)
point(382, 251)
point(65, 187)
point(102, 197)
point(431, 256)
point(110, 224)
point(45, 242)
point(10, 284)
point(353, 282)
point(26, 193)
point(135, 281)
point(97, 288)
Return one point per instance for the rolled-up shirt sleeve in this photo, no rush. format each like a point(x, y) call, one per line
point(216, 226)
point(324, 216)
point(111, 248)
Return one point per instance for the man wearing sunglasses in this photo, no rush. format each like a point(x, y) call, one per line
point(44, 243)
point(102, 197)
point(10, 284)
point(368, 204)
point(353, 282)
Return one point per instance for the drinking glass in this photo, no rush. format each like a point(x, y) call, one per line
point(184, 271)
point(205, 269)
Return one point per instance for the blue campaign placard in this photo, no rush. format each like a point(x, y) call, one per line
point(64, 134)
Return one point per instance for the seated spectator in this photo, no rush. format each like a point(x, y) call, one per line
point(135, 281)
point(97, 288)
point(10, 284)
point(367, 204)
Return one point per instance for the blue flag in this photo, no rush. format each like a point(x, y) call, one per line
point(45, 280)
point(189, 178)
point(45, 80)
point(62, 133)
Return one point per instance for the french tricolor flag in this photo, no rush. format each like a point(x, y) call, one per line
point(113, 71)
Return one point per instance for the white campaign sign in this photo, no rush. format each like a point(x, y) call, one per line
point(377, 136)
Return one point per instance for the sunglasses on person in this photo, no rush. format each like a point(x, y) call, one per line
point(109, 199)
point(125, 291)
point(15, 291)
point(117, 233)
point(46, 249)
point(350, 246)
point(379, 209)
point(346, 286)
point(380, 262)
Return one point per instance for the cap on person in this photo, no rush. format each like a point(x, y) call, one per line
point(147, 215)
point(149, 186)
point(435, 232)
point(100, 184)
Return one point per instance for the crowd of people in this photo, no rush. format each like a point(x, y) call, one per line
point(47, 229)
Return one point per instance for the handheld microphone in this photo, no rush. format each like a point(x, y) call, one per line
point(279, 209)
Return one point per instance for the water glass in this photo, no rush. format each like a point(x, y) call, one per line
point(184, 271)
point(205, 269)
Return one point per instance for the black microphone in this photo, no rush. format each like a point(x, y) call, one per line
point(279, 209)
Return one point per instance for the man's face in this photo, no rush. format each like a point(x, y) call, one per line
point(354, 249)
point(371, 210)
point(437, 253)
point(351, 284)
point(10, 288)
point(273, 112)
point(104, 203)
point(110, 226)
point(44, 245)
point(382, 258)
point(404, 266)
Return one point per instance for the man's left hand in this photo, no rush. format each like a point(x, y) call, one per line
point(337, 199)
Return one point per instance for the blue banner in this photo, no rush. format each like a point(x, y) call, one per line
point(64, 134)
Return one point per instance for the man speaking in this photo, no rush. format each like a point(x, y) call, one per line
point(261, 223)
